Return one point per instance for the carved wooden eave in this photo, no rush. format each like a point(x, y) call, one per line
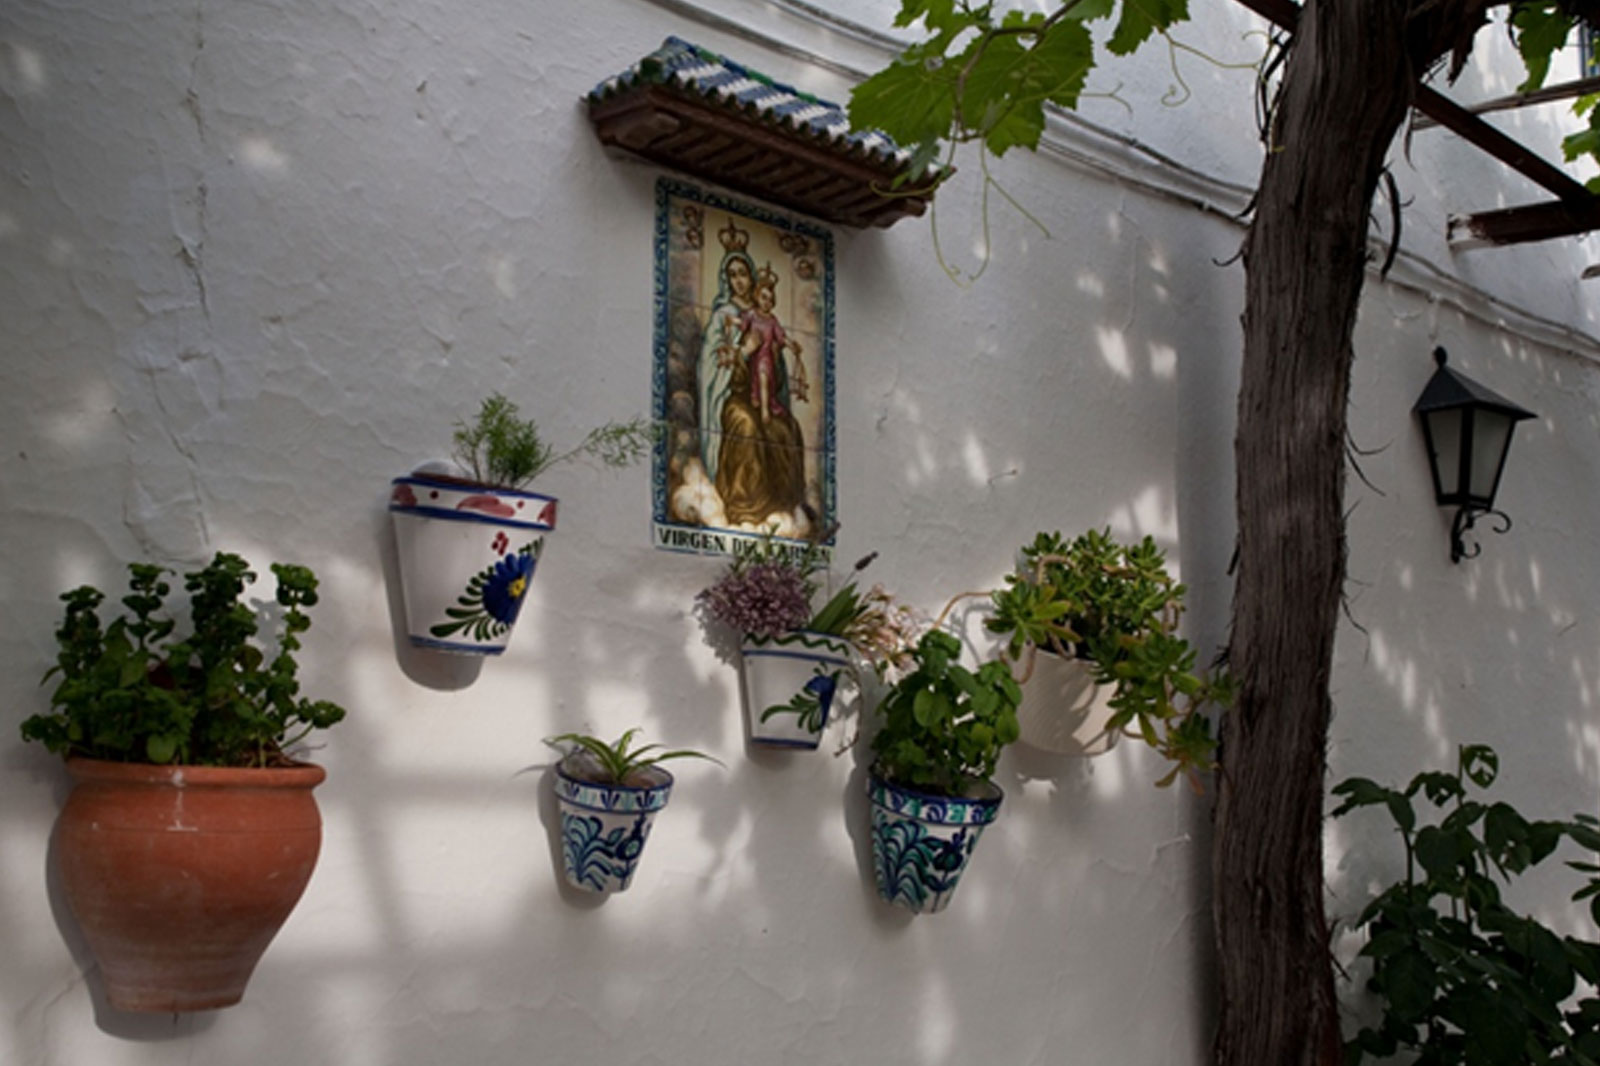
point(692, 111)
point(1575, 210)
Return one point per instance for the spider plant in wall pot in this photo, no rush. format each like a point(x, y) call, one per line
point(189, 833)
point(1093, 625)
point(793, 658)
point(930, 785)
point(609, 794)
point(469, 534)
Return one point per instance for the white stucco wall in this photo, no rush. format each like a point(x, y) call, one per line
point(255, 259)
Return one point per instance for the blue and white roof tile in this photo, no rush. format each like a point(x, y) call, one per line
point(678, 62)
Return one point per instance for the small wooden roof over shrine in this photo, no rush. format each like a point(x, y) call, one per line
point(703, 114)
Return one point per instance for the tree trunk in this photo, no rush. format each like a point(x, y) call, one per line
point(1345, 90)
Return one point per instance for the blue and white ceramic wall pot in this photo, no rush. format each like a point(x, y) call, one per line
point(789, 685)
point(921, 842)
point(604, 826)
point(467, 556)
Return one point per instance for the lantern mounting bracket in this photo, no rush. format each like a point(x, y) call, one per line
point(1466, 519)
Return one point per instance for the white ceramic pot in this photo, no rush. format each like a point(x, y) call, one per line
point(604, 827)
point(467, 555)
point(789, 686)
point(921, 842)
point(1063, 711)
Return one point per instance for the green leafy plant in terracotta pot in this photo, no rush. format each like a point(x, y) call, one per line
point(1104, 614)
point(943, 727)
point(609, 793)
point(469, 534)
point(191, 831)
point(793, 655)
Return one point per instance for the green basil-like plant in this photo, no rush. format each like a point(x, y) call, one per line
point(130, 692)
point(1463, 978)
point(944, 726)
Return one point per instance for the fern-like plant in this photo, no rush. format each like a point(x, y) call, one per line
point(503, 449)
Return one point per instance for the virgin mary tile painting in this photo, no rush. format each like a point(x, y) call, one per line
point(743, 374)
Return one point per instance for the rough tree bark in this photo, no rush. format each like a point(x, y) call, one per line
point(1347, 83)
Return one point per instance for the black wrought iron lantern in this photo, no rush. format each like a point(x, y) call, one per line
point(1468, 432)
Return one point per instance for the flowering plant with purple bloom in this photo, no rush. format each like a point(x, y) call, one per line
point(768, 592)
point(792, 657)
point(761, 599)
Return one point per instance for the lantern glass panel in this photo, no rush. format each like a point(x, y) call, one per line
point(1444, 431)
point(1491, 432)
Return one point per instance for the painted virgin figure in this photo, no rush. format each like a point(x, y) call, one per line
point(760, 466)
point(736, 279)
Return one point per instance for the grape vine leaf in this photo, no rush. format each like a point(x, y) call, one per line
point(1140, 19)
point(1541, 29)
point(912, 101)
point(995, 84)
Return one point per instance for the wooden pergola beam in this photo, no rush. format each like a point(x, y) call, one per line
point(1529, 222)
point(1567, 90)
point(1285, 14)
point(1518, 157)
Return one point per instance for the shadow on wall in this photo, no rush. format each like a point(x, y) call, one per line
point(1502, 649)
point(1049, 397)
point(753, 925)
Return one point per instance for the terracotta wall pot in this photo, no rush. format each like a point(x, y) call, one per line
point(604, 827)
point(467, 555)
point(181, 875)
point(1063, 711)
point(789, 685)
point(921, 842)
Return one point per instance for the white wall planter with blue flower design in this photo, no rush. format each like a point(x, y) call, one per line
point(467, 555)
point(921, 842)
point(790, 681)
point(604, 826)
point(1063, 711)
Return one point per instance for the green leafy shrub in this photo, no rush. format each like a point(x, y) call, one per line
point(1463, 978)
point(944, 726)
point(1116, 607)
point(129, 692)
point(504, 449)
